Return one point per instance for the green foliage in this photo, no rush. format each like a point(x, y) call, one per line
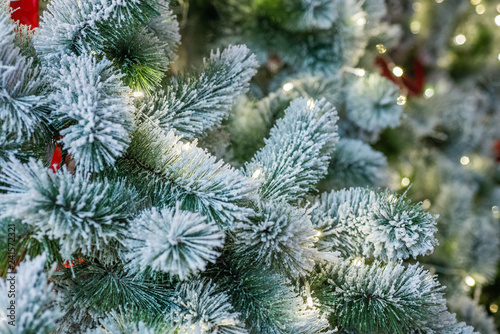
point(385, 298)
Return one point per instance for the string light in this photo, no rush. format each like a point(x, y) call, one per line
point(257, 173)
point(417, 6)
point(361, 21)
point(138, 94)
point(426, 204)
point(439, 1)
point(311, 104)
point(288, 86)
point(496, 211)
point(415, 27)
point(475, 2)
point(397, 71)
point(185, 146)
point(381, 48)
point(429, 92)
point(499, 57)
point(405, 182)
point(401, 100)
point(460, 39)
point(493, 308)
point(469, 281)
point(480, 9)
point(359, 72)
point(497, 20)
point(357, 262)
point(498, 8)
point(464, 160)
point(318, 233)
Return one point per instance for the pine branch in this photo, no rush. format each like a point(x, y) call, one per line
point(35, 312)
point(66, 27)
point(297, 152)
point(204, 310)
point(96, 289)
point(379, 298)
point(355, 163)
point(193, 106)
point(280, 237)
point(266, 301)
point(201, 184)
point(386, 226)
point(80, 214)
point(173, 241)
point(91, 98)
point(371, 103)
point(23, 109)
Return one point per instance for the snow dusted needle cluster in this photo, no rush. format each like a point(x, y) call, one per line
point(297, 152)
point(35, 308)
point(172, 241)
point(91, 99)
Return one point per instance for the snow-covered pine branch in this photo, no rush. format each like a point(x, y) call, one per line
point(371, 103)
point(81, 214)
point(280, 237)
point(91, 290)
point(23, 109)
point(35, 309)
point(380, 298)
point(355, 163)
point(192, 106)
point(92, 106)
point(69, 27)
point(197, 180)
point(297, 153)
point(172, 241)
point(358, 221)
point(204, 309)
point(267, 301)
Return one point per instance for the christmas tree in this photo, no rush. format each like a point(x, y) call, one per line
point(238, 194)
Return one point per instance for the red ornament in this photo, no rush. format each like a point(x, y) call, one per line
point(496, 150)
point(414, 86)
point(26, 12)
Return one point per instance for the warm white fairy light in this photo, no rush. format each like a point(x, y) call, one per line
point(439, 1)
point(496, 211)
point(138, 94)
point(470, 281)
point(405, 182)
point(417, 6)
point(401, 100)
point(460, 39)
point(318, 233)
point(429, 92)
point(498, 8)
point(257, 173)
point(357, 262)
point(311, 104)
point(426, 204)
point(497, 20)
point(397, 71)
point(359, 72)
point(288, 86)
point(415, 27)
point(480, 9)
point(493, 308)
point(475, 2)
point(464, 160)
point(499, 57)
point(381, 48)
point(361, 21)
point(185, 146)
